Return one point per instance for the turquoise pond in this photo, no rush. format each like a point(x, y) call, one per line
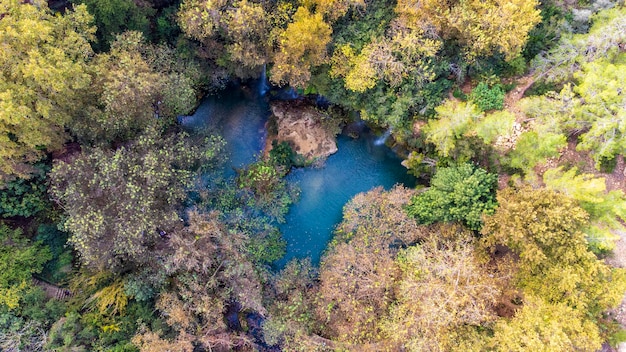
point(360, 164)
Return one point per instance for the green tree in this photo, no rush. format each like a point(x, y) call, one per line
point(592, 109)
point(454, 119)
point(118, 201)
point(488, 98)
point(603, 109)
point(574, 50)
point(113, 17)
point(606, 209)
point(19, 260)
point(461, 193)
point(532, 148)
point(495, 125)
point(136, 85)
point(43, 76)
point(271, 193)
point(23, 197)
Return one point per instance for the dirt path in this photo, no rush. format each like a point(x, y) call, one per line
point(513, 97)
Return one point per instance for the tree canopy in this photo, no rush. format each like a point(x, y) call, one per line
point(119, 201)
point(44, 74)
point(461, 193)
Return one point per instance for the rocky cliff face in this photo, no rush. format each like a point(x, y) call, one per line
point(301, 126)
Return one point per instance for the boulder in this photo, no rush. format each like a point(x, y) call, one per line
point(301, 125)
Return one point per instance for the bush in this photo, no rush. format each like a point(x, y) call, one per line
point(488, 98)
point(283, 155)
point(459, 193)
point(25, 197)
point(57, 269)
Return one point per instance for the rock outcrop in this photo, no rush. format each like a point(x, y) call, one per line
point(303, 127)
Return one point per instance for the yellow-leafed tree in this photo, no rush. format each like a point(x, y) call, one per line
point(483, 27)
point(302, 46)
point(43, 73)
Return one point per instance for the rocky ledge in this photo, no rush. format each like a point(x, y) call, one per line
point(303, 127)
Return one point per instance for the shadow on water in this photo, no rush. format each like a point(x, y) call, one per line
point(239, 115)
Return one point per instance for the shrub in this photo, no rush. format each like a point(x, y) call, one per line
point(24, 197)
point(460, 193)
point(488, 98)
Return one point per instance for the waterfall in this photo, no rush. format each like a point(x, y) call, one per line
point(264, 86)
point(383, 138)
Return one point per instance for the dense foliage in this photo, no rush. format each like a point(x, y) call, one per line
point(119, 202)
point(43, 78)
point(119, 231)
point(462, 193)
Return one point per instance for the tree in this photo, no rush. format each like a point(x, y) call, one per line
point(495, 125)
point(391, 60)
point(603, 110)
point(209, 270)
point(454, 120)
point(605, 209)
point(43, 76)
point(387, 284)
point(592, 109)
point(291, 322)
point(461, 193)
point(118, 201)
point(136, 85)
point(544, 228)
point(272, 194)
point(488, 98)
point(358, 272)
point(239, 28)
point(334, 9)
point(150, 341)
point(601, 42)
point(545, 327)
point(302, 46)
point(380, 216)
point(532, 148)
point(113, 17)
point(19, 260)
point(443, 287)
point(482, 27)
point(23, 197)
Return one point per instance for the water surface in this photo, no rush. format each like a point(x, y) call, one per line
point(239, 115)
point(358, 166)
